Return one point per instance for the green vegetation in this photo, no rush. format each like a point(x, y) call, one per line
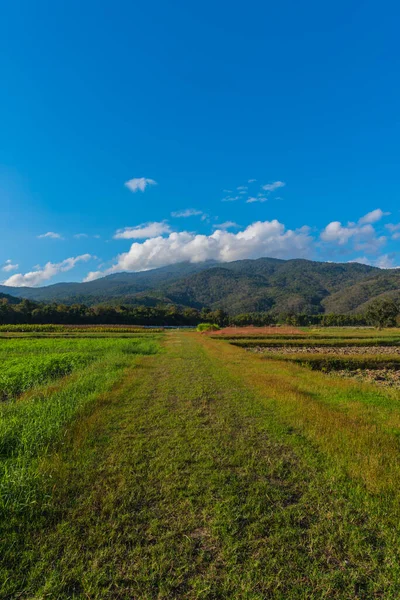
point(207, 327)
point(383, 313)
point(335, 363)
point(78, 329)
point(200, 470)
point(17, 376)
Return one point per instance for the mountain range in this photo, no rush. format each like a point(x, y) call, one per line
point(264, 284)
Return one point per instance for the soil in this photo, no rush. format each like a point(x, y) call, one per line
point(384, 377)
point(257, 331)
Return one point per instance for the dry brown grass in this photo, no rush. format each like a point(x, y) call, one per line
point(355, 424)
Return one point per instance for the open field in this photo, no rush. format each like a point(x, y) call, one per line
point(177, 465)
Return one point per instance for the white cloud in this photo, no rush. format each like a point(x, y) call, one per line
point(242, 188)
point(227, 191)
point(9, 266)
point(230, 198)
point(146, 230)
point(393, 227)
point(363, 237)
point(252, 180)
point(253, 199)
point(271, 187)
point(394, 230)
point(50, 234)
point(139, 183)
point(373, 217)
point(42, 274)
point(226, 225)
point(79, 236)
point(386, 261)
point(188, 212)
point(268, 238)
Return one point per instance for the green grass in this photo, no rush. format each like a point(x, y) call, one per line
point(29, 328)
point(30, 426)
point(18, 376)
point(202, 471)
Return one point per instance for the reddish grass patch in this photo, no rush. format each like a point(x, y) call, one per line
point(257, 331)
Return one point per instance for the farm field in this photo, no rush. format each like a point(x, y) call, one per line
point(184, 465)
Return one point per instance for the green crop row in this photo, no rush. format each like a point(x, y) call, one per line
point(18, 377)
point(28, 363)
point(77, 328)
point(328, 363)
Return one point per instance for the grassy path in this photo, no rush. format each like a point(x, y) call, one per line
point(189, 481)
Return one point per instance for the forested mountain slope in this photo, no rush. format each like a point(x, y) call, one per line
point(264, 284)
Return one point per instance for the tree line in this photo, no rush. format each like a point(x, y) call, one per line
point(381, 313)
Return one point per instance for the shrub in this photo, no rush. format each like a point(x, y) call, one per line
point(207, 327)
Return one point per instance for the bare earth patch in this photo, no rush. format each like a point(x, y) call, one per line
point(385, 377)
point(257, 331)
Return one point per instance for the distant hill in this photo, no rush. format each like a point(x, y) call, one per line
point(10, 299)
point(298, 286)
point(264, 284)
point(356, 297)
point(114, 286)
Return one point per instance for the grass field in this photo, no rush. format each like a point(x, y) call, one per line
point(175, 465)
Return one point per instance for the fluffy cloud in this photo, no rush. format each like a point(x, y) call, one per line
point(252, 180)
point(271, 187)
point(9, 266)
point(373, 217)
point(50, 234)
point(144, 231)
point(362, 234)
point(263, 238)
point(139, 183)
point(188, 212)
point(42, 274)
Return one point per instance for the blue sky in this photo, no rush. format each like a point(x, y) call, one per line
point(184, 101)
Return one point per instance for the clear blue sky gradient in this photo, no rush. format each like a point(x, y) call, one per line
point(200, 97)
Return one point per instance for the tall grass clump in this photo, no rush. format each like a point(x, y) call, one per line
point(31, 427)
point(207, 327)
point(19, 376)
